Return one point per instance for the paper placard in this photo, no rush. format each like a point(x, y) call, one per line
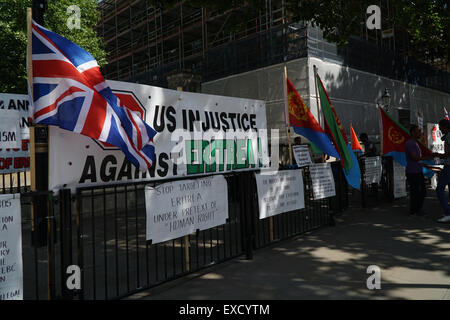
point(281, 192)
point(322, 180)
point(302, 155)
point(11, 274)
point(15, 134)
point(399, 181)
point(179, 208)
point(373, 170)
point(9, 129)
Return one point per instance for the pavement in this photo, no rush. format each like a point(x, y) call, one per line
point(413, 254)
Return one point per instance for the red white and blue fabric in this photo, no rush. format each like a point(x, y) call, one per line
point(446, 114)
point(70, 92)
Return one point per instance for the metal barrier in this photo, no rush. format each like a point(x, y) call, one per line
point(102, 230)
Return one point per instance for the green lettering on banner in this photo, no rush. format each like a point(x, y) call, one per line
point(250, 155)
point(231, 154)
point(241, 154)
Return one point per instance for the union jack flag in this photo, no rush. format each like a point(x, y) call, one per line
point(446, 114)
point(70, 92)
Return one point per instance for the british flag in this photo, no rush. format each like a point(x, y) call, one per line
point(446, 114)
point(70, 92)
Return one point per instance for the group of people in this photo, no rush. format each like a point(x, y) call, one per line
point(414, 168)
point(414, 171)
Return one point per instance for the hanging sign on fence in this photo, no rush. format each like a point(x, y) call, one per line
point(302, 155)
point(179, 208)
point(372, 170)
point(279, 193)
point(11, 275)
point(322, 180)
point(399, 180)
point(197, 134)
point(14, 133)
point(9, 129)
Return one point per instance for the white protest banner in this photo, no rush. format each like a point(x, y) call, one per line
point(372, 170)
point(179, 208)
point(9, 129)
point(302, 155)
point(14, 157)
point(399, 180)
point(279, 193)
point(322, 180)
point(11, 274)
point(198, 134)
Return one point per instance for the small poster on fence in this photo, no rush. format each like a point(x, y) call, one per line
point(281, 192)
point(322, 180)
point(179, 208)
point(11, 275)
point(302, 155)
point(399, 181)
point(373, 170)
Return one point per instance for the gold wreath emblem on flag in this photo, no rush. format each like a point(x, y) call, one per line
point(296, 107)
point(395, 136)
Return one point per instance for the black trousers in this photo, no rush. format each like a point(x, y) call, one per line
point(417, 192)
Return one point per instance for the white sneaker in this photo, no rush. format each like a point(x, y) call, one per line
point(444, 219)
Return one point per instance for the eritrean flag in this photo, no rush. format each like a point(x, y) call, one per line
point(304, 123)
point(394, 139)
point(334, 128)
point(356, 146)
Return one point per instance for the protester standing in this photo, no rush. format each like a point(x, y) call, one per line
point(414, 173)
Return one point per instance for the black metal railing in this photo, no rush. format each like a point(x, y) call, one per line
point(102, 231)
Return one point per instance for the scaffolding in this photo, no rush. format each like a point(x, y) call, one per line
point(145, 44)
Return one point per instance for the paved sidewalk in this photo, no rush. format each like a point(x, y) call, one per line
point(412, 252)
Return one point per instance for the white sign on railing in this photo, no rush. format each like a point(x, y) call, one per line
point(322, 180)
point(282, 192)
point(399, 180)
point(11, 274)
point(372, 170)
point(14, 133)
point(179, 208)
point(302, 155)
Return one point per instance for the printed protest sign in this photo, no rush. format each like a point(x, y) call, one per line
point(322, 180)
point(302, 155)
point(279, 193)
point(372, 170)
point(14, 133)
point(197, 134)
point(178, 208)
point(11, 274)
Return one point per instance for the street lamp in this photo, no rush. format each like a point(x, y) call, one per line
point(385, 100)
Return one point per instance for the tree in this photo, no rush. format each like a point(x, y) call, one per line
point(13, 36)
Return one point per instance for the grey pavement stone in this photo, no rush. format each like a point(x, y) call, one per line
point(413, 254)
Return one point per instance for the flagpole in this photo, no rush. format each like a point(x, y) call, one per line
point(30, 83)
point(317, 103)
point(286, 115)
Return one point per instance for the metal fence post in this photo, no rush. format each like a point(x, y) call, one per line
point(51, 248)
point(246, 188)
point(65, 206)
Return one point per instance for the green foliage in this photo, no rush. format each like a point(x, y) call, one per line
point(427, 21)
point(13, 40)
point(13, 36)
